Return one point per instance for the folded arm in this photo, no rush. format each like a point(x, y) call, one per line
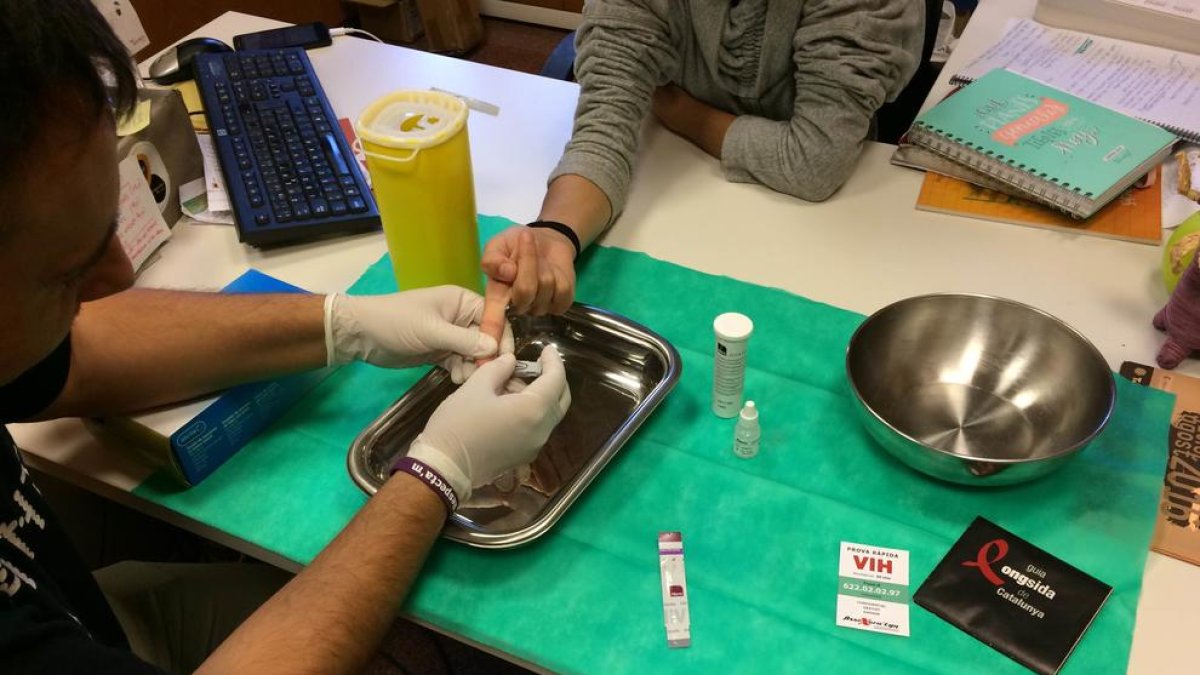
point(850, 57)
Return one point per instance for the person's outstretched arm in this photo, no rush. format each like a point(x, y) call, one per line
point(623, 53)
point(332, 616)
point(142, 348)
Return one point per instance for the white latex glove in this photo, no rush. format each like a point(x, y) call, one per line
point(429, 325)
point(479, 431)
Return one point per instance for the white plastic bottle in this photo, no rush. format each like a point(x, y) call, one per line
point(747, 432)
point(729, 362)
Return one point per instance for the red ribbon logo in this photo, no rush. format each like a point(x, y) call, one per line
point(983, 561)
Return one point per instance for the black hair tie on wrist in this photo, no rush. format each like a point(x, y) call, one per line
point(561, 229)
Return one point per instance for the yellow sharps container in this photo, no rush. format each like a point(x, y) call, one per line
point(420, 165)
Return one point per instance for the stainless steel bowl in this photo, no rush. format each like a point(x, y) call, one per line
point(977, 390)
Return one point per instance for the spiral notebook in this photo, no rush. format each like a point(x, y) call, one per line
point(1156, 85)
point(1053, 147)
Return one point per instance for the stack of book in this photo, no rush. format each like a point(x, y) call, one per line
point(1042, 135)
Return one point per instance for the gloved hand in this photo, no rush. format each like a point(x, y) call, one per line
point(1181, 319)
point(429, 325)
point(480, 431)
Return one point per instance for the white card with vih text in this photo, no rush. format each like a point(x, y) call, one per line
point(873, 589)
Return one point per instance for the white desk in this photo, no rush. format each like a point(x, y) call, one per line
point(862, 249)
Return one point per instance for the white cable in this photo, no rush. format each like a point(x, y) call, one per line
point(338, 32)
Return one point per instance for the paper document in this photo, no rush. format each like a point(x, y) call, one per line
point(195, 107)
point(356, 145)
point(1158, 85)
point(140, 225)
point(1188, 9)
point(124, 20)
point(136, 120)
point(214, 182)
point(1173, 24)
point(193, 199)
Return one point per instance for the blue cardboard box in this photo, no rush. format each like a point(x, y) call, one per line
point(193, 439)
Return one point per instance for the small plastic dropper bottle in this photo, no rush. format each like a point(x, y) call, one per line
point(747, 432)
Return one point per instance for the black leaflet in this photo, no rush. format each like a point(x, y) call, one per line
point(1013, 596)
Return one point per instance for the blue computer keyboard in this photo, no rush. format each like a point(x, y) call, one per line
point(290, 172)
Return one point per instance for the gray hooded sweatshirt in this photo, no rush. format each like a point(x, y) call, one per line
point(804, 77)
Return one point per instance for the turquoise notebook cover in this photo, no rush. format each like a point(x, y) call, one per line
point(1045, 132)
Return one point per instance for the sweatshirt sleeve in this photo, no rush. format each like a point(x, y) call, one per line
point(623, 52)
point(850, 56)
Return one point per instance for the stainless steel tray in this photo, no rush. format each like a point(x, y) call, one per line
point(619, 371)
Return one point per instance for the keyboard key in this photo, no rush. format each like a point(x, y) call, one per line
point(319, 207)
point(302, 211)
point(262, 219)
point(357, 205)
point(338, 207)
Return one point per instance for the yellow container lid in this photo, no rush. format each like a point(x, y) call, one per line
point(411, 120)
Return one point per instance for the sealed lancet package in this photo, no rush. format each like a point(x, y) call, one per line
point(674, 589)
point(1013, 596)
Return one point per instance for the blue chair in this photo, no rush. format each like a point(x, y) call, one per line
point(560, 65)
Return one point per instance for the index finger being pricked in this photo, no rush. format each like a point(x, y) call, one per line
point(495, 306)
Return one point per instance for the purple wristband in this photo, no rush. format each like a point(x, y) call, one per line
point(430, 477)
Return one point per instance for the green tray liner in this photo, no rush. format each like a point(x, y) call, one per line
point(761, 536)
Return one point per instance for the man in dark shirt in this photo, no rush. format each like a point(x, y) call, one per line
point(75, 340)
